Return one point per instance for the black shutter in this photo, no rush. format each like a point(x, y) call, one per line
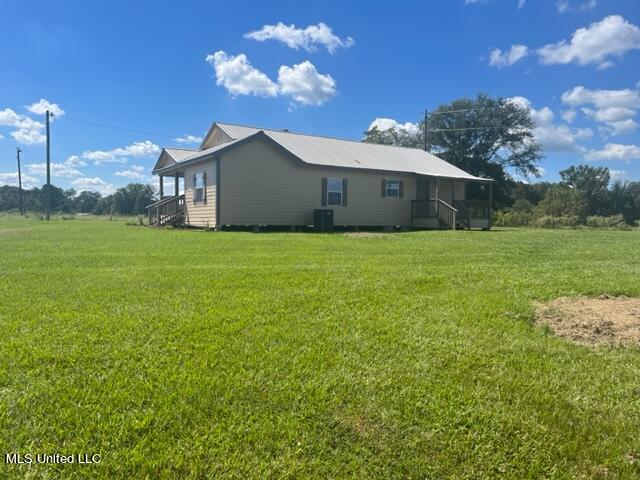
point(194, 188)
point(384, 188)
point(401, 188)
point(204, 187)
point(344, 192)
point(323, 202)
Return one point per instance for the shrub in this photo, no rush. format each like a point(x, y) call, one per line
point(614, 221)
point(513, 218)
point(565, 221)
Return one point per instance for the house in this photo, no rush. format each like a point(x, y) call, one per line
point(248, 176)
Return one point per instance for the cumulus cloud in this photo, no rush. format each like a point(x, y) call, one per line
point(564, 6)
point(93, 184)
point(136, 172)
point(11, 178)
point(615, 151)
point(597, 44)
point(120, 155)
point(62, 170)
point(239, 77)
point(304, 85)
point(500, 59)
point(617, 175)
point(301, 83)
point(383, 124)
point(28, 131)
point(188, 139)
point(553, 137)
point(615, 109)
point(41, 107)
point(309, 38)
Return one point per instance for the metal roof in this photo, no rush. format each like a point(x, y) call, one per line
point(334, 152)
point(179, 154)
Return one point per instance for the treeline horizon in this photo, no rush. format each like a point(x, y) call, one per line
point(128, 200)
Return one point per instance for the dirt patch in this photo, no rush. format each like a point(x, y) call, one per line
point(365, 234)
point(593, 321)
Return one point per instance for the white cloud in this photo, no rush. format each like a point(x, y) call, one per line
point(11, 178)
point(569, 115)
point(185, 139)
point(1, 137)
point(28, 131)
point(615, 151)
point(613, 108)
point(302, 83)
point(75, 161)
point(617, 175)
point(308, 38)
point(239, 77)
point(613, 36)
point(565, 6)
point(120, 155)
point(553, 137)
point(62, 170)
point(521, 4)
point(305, 85)
point(135, 172)
point(41, 107)
point(93, 184)
point(383, 124)
point(500, 59)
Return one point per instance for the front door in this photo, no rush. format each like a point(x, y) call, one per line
point(422, 188)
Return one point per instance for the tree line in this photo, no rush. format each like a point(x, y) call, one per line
point(129, 200)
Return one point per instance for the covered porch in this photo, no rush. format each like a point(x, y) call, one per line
point(169, 209)
point(441, 203)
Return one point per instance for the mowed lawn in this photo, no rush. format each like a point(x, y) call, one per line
point(190, 354)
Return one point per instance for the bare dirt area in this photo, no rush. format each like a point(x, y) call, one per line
point(603, 320)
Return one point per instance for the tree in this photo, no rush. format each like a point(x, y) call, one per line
point(485, 136)
point(86, 201)
point(133, 198)
point(625, 199)
point(593, 183)
point(563, 201)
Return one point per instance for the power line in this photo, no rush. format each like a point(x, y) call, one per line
point(113, 127)
point(463, 129)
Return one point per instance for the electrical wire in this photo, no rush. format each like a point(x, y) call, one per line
point(113, 127)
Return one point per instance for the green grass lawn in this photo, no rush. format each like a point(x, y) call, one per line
point(190, 354)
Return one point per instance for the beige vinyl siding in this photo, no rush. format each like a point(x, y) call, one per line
point(261, 185)
point(201, 214)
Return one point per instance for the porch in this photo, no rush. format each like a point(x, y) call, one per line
point(438, 213)
point(170, 209)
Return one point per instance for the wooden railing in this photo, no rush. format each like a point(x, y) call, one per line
point(423, 209)
point(446, 213)
point(166, 210)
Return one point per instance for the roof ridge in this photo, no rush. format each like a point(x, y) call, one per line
point(319, 136)
point(185, 149)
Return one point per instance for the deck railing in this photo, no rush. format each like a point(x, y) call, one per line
point(166, 210)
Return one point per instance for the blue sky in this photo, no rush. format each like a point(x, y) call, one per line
point(331, 68)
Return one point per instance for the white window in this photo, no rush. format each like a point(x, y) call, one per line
point(393, 188)
point(198, 187)
point(334, 191)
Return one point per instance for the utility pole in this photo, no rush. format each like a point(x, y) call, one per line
point(426, 119)
point(48, 196)
point(19, 179)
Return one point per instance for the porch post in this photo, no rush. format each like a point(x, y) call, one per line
point(438, 197)
point(490, 202)
point(176, 185)
point(161, 187)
